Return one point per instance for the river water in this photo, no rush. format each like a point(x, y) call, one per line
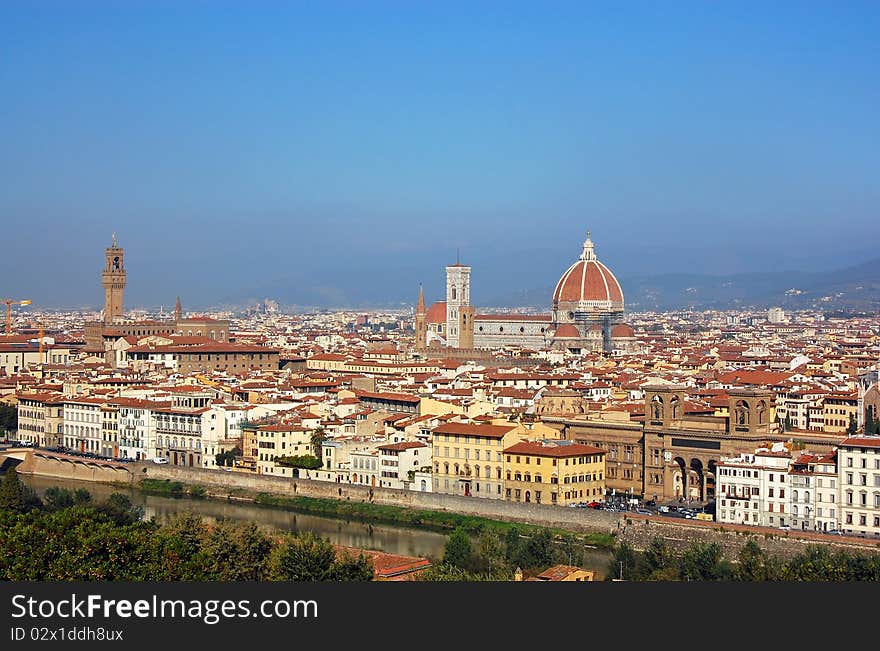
point(387, 538)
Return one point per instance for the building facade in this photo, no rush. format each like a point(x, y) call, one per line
point(468, 458)
point(554, 472)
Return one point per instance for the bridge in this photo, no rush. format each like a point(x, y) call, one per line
point(66, 466)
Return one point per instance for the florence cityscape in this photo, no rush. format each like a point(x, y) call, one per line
point(349, 293)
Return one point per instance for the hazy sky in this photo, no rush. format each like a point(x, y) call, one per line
point(344, 150)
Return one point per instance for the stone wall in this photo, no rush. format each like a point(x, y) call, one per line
point(586, 520)
point(64, 468)
point(638, 532)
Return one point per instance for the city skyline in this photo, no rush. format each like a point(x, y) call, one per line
point(347, 153)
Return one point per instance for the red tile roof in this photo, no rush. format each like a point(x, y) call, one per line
point(538, 449)
point(470, 429)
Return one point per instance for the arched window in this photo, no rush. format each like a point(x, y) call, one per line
point(657, 407)
point(537, 479)
point(454, 293)
point(794, 495)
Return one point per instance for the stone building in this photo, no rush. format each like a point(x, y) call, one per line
point(673, 450)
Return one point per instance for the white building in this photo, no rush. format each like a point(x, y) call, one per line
point(755, 489)
point(776, 315)
point(137, 434)
point(858, 464)
point(83, 424)
point(364, 467)
point(803, 492)
point(398, 460)
point(827, 499)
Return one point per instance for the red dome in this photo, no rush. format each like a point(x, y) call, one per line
point(567, 331)
point(588, 280)
point(436, 313)
point(622, 330)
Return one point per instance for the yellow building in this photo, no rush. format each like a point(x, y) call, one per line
point(554, 472)
point(837, 409)
point(468, 458)
point(261, 444)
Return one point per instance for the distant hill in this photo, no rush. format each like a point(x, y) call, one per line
point(856, 287)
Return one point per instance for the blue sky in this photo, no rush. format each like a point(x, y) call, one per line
point(342, 151)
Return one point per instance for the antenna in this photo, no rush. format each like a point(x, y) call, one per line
point(457, 260)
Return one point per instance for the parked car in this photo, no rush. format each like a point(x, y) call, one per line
point(159, 460)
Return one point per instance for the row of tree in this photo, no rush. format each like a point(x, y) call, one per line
point(704, 562)
point(8, 418)
point(67, 536)
point(494, 557)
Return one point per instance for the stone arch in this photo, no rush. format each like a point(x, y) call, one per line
point(741, 413)
point(761, 412)
point(657, 408)
point(675, 407)
point(699, 476)
point(679, 478)
point(710, 475)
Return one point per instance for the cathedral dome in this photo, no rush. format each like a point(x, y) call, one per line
point(589, 283)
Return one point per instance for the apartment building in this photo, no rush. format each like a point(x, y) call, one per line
point(858, 463)
point(469, 458)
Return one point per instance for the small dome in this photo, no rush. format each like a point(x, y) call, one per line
point(622, 330)
point(567, 331)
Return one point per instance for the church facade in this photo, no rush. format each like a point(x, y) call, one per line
point(587, 314)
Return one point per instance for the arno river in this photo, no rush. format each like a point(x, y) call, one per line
point(388, 538)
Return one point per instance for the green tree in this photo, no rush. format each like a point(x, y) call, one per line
point(751, 563)
point(183, 540)
point(853, 427)
point(459, 551)
point(120, 508)
point(306, 557)
point(317, 439)
point(8, 419)
point(81, 496)
point(624, 563)
point(57, 498)
point(233, 552)
point(306, 461)
point(537, 550)
point(658, 561)
point(15, 496)
point(348, 567)
point(786, 425)
point(703, 562)
point(227, 458)
point(512, 544)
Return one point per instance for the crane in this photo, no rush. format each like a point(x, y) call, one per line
point(9, 303)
